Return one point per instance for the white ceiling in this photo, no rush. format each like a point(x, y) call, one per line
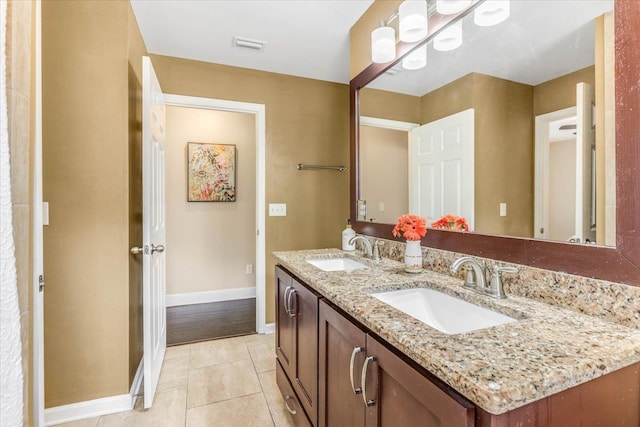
point(541, 40)
point(306, 38)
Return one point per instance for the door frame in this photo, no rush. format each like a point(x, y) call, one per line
point(258, 110)
point(541, 173)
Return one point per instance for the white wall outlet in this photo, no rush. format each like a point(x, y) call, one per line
point(277, 209)
point(503, 209)
point(45, 213)
point(249, 269)
point(381, 206)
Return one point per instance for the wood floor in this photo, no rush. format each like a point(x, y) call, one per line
point(201, 322)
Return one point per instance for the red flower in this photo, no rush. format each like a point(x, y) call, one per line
point(451, 222)
point(411, 227)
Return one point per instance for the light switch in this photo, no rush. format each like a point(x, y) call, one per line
point(503, 209)
point(45, 213)
point(277, 209)
point(381, 206)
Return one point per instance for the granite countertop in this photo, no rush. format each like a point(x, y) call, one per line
point(548, 350)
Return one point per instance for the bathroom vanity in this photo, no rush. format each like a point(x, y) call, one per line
point(345, 357)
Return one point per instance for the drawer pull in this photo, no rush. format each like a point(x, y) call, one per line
point(285, 300)
point(286, 403)
point(292, 312)
point(365, 366)
point(356, 350)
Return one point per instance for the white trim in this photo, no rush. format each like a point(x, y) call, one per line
point(87, 409)
point(387, 124)
point(136, 384)
point(37, 223)
point(261, 142)
point(269, 328)
point(541, 172)
point(210, 296)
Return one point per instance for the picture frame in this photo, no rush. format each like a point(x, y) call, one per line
point(211, 172)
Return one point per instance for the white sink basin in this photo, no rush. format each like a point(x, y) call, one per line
point(441, 311)
point(337, 264)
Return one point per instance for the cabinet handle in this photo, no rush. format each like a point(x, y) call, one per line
point(365, 366)
point(356, 350)
point(286, 403)
point(292, 312)
point(285, 300)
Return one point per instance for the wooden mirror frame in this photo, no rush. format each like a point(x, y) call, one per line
point(617, 264)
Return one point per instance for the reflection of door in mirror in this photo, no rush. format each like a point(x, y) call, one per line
point(441, 168)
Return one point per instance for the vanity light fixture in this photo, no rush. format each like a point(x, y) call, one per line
point(383, 44)
point(417, 59)
point(449, 7)
point(413, 20)
point(491, 12)
point(449, 39)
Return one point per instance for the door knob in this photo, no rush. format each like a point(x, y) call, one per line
point(136, 250)
point(157, 248)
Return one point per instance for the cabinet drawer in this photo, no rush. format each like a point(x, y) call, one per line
point(290, 398)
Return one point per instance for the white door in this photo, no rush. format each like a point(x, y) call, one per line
point(153, 230)
point(441, 168)
point(585, 182)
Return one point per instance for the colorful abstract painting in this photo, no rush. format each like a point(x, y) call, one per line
point(212, 172)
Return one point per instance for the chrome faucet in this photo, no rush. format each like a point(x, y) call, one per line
point(475, 278)
point(370, 251)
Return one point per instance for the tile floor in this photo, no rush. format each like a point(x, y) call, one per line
point(227, 383)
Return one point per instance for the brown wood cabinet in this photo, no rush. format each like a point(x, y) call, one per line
point(297, 338)
point(291, 399)
point(363, 383)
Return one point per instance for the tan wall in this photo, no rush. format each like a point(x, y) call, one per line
point(503, 147)
point(307, 121)
point(382, 104)
point(210, 244)
point(20, 80)
point(560, 93)
point(86, 46)
point(384, 170)
point(360, 34)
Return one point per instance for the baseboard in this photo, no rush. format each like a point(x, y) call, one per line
point(210, 296)
point(270, 328)
point(97, 407)
point(88, 409)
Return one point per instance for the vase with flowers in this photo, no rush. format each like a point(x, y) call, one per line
point(412, 228)
point(451, 222)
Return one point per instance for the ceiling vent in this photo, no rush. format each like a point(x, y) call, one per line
point(248, 43)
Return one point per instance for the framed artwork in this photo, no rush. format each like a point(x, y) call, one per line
point(211, 171)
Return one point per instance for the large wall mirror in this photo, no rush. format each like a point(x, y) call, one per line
point(524, 128)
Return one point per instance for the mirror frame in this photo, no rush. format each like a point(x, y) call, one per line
point(617, 264)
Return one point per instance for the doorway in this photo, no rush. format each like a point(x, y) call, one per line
point(216, 262)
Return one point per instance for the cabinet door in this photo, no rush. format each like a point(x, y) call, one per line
point(285, 321)
point(304, 309)
point(290, 399)
point(342, 351)
point(398, 395)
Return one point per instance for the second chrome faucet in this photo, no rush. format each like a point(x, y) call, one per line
point(372, 251)
point(475, 277)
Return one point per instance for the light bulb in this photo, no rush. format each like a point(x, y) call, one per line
point(491, 12)
point(383, 45)
point(413, 20)
point(449, 7)
point(416, 59)
point(449, 39)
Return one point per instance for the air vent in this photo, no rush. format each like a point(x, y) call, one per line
point(248, 43)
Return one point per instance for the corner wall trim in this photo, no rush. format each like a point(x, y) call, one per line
point(137, 383)
point(87, 409)
point(270, 328)
point(210, 296)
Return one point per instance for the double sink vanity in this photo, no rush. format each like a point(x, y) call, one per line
point(361, 342)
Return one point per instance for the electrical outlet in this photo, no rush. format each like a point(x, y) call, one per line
point(381, 207)
point(249, 269)
point(277, 209)
point(503, 209)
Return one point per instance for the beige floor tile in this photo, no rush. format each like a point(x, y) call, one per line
point(174, 374)
point(169, 409)
point(271, 392)
point(221, 382)
point(255, 339)
point(263, 357)
point(89, 422)
point(283, 419)
point(177, 351)
point(240, 412)
point(211, 353)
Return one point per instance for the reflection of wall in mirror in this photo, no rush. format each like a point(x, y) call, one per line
point(504, 157)
point(383, 182)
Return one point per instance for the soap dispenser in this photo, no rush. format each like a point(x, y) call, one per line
point(348, 234)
